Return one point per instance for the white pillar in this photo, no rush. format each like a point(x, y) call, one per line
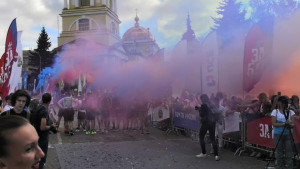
point(115, 6)
point(92, 2)
point(77, 25)
point(76, 3)
point(111, 4)
point(104, 2)
point(65, 4)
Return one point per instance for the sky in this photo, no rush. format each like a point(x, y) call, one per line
point(166, 19)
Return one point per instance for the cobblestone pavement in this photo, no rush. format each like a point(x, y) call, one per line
point(132, 150)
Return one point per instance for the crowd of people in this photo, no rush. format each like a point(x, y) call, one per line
point(110, 112)
point(282, 110)
point(103, 108)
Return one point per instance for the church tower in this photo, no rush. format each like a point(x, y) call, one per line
point(93, 18)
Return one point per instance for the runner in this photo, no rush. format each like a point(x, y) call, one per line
point(68, 104)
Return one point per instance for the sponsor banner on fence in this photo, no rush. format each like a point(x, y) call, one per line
point(232, 123)
point(160, 113)
point(260, 132)
point(186, 119)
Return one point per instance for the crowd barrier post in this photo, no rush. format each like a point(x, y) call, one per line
point(242, 149)
point(172, 129)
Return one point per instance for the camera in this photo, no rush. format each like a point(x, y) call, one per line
point(53, 129)
point(285, 101)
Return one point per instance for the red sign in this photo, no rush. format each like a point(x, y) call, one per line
point(255, 57)
point(260, 132)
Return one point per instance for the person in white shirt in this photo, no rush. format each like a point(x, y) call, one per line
point(282, 121)
point(68, 105)
point(8, 105)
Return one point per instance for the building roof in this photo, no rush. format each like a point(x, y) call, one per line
point(137, 33)
point(189, 34)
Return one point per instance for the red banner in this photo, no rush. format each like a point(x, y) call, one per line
point(8, 58)
point(255, 57)
point(260, 132)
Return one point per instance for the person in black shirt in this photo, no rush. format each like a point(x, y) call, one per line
point(208, 123)
point(19, 100)
point(42, 125)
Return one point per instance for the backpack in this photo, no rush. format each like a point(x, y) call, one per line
point(35, 107)
point(209, 113)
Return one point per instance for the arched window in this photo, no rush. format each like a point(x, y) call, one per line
point(84, 24)
point(85, 2)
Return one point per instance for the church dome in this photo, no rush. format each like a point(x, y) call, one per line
point(137, 33)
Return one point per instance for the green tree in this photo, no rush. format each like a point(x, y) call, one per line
point(41, 57)
point(231, 18)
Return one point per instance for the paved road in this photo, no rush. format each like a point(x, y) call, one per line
point(132, 150)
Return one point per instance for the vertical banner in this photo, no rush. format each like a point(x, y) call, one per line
point(25, 78)
point(79, 84)
point(8, 58)
point(255, 57)
point(16, 71)
point(209, 67)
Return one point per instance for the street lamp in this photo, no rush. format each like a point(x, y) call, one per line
point(40, 63)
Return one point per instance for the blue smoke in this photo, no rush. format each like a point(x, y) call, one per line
point(44, 77)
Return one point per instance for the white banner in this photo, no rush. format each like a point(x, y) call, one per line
point(160, 113)
point(210, 70)
point(232, 123)
point(16, 70)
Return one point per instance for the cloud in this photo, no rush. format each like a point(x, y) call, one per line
point(146, 9)
point(30, 14)
point(169, 15)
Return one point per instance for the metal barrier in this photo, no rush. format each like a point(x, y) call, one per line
point(186, 121)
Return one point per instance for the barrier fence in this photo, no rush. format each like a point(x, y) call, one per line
point(254, 134)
